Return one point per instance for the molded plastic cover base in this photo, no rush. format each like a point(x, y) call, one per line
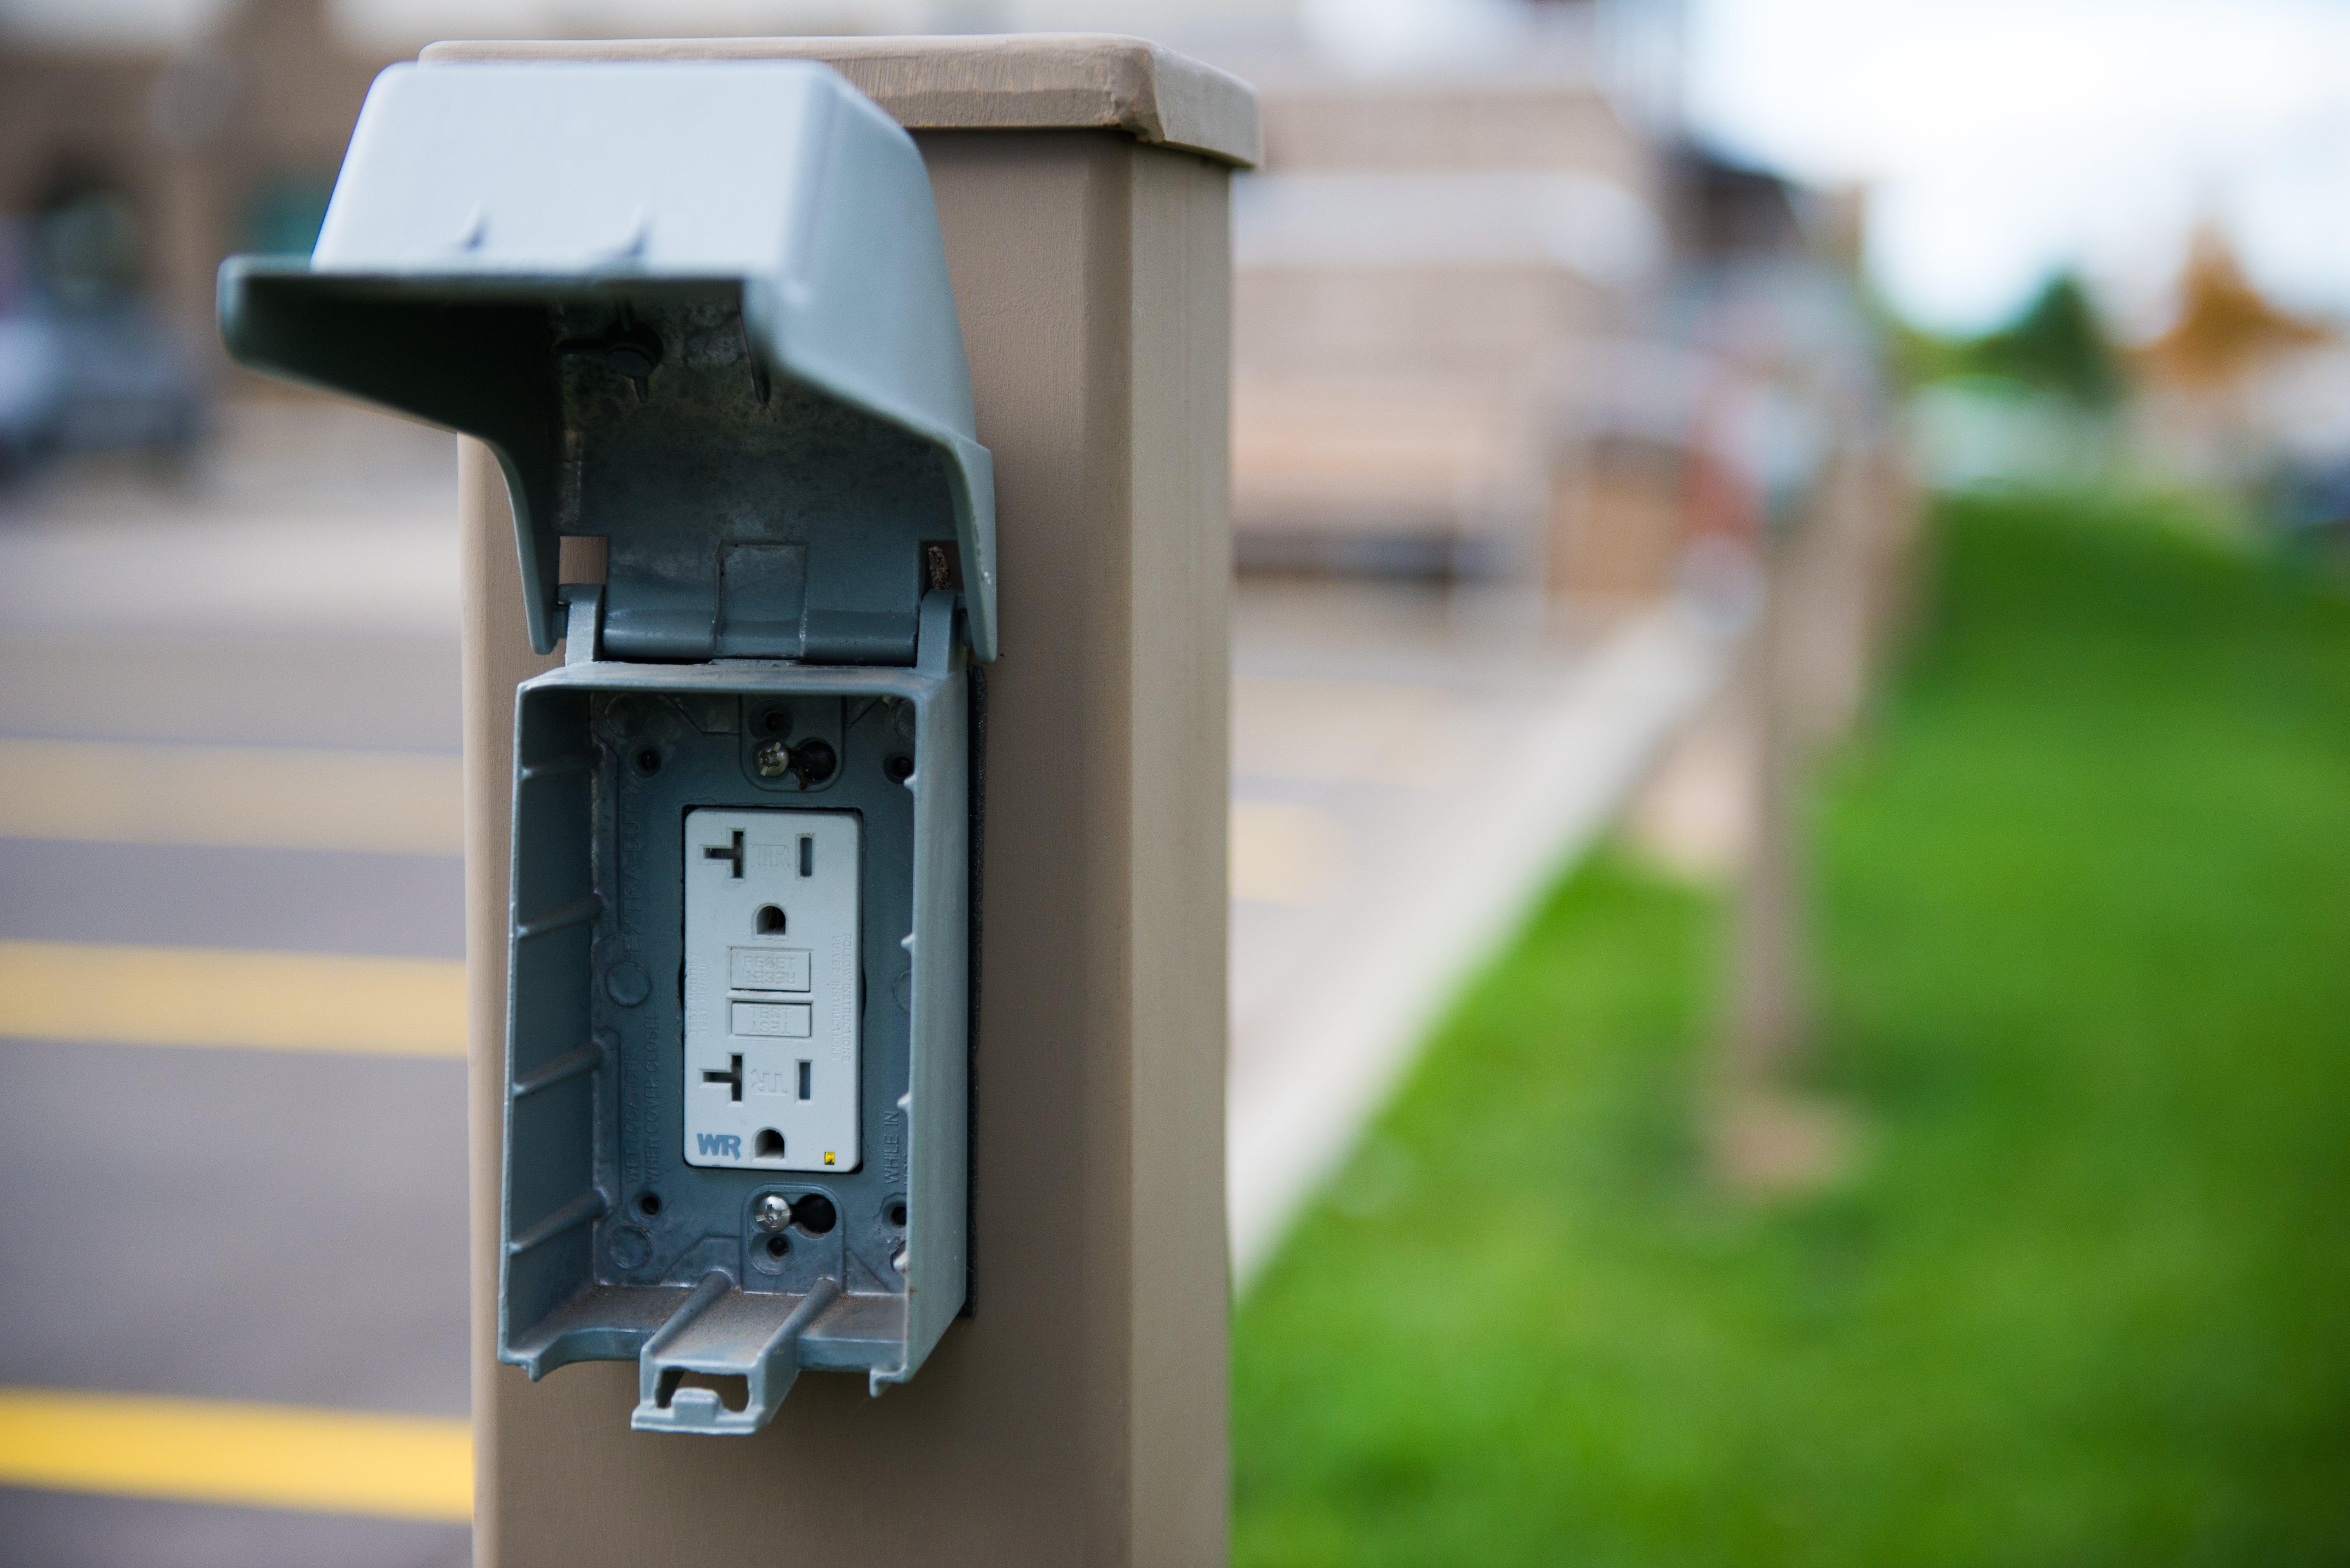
point(617, 1243)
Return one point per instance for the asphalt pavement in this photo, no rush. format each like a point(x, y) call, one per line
point(223, 1226)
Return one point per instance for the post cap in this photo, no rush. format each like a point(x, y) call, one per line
point(1015, 81)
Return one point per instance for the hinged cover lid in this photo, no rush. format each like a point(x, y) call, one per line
point(699, 309)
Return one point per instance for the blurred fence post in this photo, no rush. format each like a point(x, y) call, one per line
point(1835, 589)
point(1079, 1416)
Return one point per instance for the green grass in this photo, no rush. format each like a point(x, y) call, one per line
point(2084, 942)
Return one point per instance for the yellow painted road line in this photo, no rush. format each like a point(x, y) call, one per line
point(260, 1456)
point(244, 797)
point(210, 996)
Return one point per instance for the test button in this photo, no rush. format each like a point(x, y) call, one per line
point(788, 1019)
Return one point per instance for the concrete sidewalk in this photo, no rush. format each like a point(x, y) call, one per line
point(1406, 785)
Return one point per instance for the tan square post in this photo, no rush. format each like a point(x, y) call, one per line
point(1079, 1416)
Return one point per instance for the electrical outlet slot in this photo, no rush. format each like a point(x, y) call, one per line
point(732, 1079)
point(770, 1145)
point(770, 921)
point(732, 853)
point(808, 1090)
point(807, 854)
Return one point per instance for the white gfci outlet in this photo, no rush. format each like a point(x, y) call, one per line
point(771, 991)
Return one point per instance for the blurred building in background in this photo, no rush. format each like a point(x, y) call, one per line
point(1423, 268)
point(1479, 324)
point(229, 144)
point(1494, 322)
point(131, 164)
point(1482, 332)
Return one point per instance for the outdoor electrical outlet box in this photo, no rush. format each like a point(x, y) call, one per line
point(700, 310)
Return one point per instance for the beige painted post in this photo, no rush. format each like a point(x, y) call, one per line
point(1079, 1417)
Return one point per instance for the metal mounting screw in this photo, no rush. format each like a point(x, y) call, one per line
point(773, 759)
point(770, 1212)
